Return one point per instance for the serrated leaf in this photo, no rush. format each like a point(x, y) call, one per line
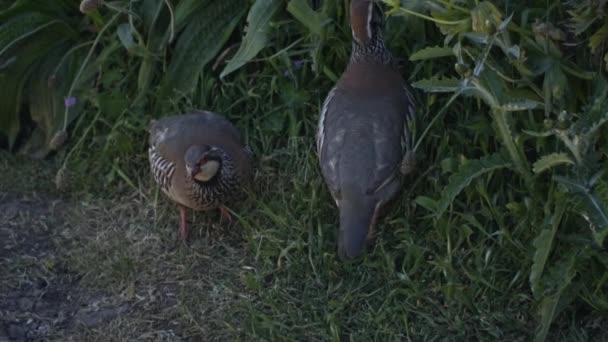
point(594, 204)
point(543, 244)
point(519, 105)
point(432, 52)
point(550, 160)
point(434, 85)
point(465, 175)
point(539, 134)
point(560, 278)
point(256, 38)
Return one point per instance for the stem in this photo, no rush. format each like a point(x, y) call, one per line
point(172, 22)
point(80, 141)
point(84, 64)
point(499, 117)
point(454, 6)
point(65, 56)
point(426, 17)
point(443, 110)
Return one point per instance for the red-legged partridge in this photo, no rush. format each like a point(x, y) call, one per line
point(199, 160)
point(364, 140)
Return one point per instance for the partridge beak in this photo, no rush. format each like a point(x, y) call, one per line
point(192, 170)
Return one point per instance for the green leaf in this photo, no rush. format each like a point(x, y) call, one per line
point(18, 28)
point(560, 278)
point(598, 37)
point(594, 204)
point(432, 52)
point(485, 17)
point(313, 20)
point(550, 160)
point(256, 38)
point(465, 175)
point(543, 243)
point(519, 105)
point(126, 36)
point(427, 203)
point(200, 41)
point(600, 204)
point(14, 79)
point(46, 104)
point(555, 83)
point(501, 120)
point(434, 85)
point(184, 10)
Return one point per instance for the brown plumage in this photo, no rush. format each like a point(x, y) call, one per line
point(199, 161)
point(364, 138)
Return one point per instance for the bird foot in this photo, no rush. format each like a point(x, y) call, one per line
point(225, 214)
point(183, 226)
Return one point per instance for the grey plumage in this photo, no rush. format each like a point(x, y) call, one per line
point(364, 133)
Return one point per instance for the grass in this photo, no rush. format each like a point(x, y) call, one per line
point(464, 272)
point(275, 275)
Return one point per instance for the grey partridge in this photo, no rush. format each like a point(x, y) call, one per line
point(364, 140)
point(199, 161)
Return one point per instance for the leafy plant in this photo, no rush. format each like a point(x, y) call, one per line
point(531, 77)
point(502, 228)
point(42, 46)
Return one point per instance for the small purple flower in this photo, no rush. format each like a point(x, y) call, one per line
point(298, 64)
point(69, 102)
point(287, 73)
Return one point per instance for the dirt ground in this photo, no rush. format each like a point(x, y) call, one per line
point(78, 271)
point(39, 297)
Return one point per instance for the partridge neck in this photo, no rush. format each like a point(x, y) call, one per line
point(373, 51)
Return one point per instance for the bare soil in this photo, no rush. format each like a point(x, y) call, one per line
point(88, 271)
point(39, 297)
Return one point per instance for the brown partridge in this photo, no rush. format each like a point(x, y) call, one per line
point(199, 161)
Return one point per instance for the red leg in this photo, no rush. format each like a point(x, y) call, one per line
point(183, 227)
point(224, 214)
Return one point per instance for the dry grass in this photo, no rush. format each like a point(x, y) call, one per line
point(116, 269)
